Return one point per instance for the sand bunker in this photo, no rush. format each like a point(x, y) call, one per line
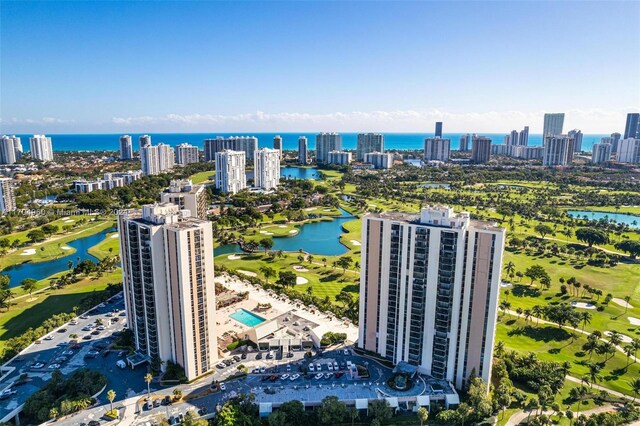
point(263, 232)
point(293, 231)
point(301, 280)
point(233, 257)
point(282, 226)
point(65, 248)
point(268, 233)
point(69, 221)
point(634, 320)
point(583, 305)
point(300, 268)
point(310, 209)
point(115, 236)
point(28, 252)
point(621, 302)
point(247, 273)
point(355, 242)
point(503, 284)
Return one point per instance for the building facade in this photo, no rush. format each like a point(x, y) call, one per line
point(248, 144)
point(464, 142)
point(303, 150)
point(379, 160)
point(523, 137)
point(187, 196)
point(144, 141)
point(326, 142)
point(126, 148)
point(230, 171)
point(601, 153)
point(156, 159)
point(340, 158)
point(41, 148)
point(553, 124)
point(576, 135)
point(266, 164)
point(429, 291)
point(369, 142)
point(558, 151)
point(629, 151)
point(438, 131)
point(167, 271)
point(10, 149)
point(187, 154)
point(7, 197)
point(480, 149)
point(436, 149)
point(632, 126)
point(277, 144)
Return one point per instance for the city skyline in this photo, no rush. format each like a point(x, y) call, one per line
point(506, 86)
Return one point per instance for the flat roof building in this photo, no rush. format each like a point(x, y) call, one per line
point(230, 171)
point(184, 194)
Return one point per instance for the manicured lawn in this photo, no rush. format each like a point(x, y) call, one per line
point(203, 177)
point(25, 313)
point(110, 246)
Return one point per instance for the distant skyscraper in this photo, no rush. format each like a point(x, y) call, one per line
point(277, 144)
point(126, 148)
point(303, 151)
point(369, 142)
point(438, 132)
point(523, 137)
point(632, 128)
point(41, 148)
point(230, 171)
point(266, 168)
point(156, 159)
point(464, 142)
point(167, 272)
point(513, 138)
point(558, 151)
point(187, 154)
point(600, 153)
point(480, 149)
point(326, 142)
point(184, 194)
point(436, 149)
point(615, 138)
point(553, 123)
point(629, 151)
point(7, 150)
point(7, 197)
point(339, 158)
point(576, 135)
point(379, 160)
point(144, 141)
point(248, 144)
point(429, 291)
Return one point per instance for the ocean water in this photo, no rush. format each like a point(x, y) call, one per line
point(392, 141)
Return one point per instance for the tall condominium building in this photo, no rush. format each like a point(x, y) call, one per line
point(340, 158)
point(576, 135)
point(436, 149)
point(600, 153)
point(480, 149)
point(277, 144)
point(266, 164)
point(379, 160)
point(156, 159)
point(512, 138)
point(8, 150)
point(303, 150)
point(429, 291)
point(368, 142)
point(41, 148)
point(464, 142)
point(438, 132)
point(615, 139)
point(248, 144)
point(326, 142)
point(167, 271)
point(187, 154)
point(632, 127)
point(558, 150)
point(523, 137)
point(553, 123)
point(184, 194)
point(126, 148)
point(629, 151)
point(230, 171)
point(527, 152)
point(7, 197)
point(144, 141)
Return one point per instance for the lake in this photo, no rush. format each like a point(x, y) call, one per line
point(628, 219)
point(299, 173)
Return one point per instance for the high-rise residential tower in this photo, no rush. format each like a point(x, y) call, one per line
point(144, 141)
point(558, 151)
point(277, 144)
point(339, 158)
point(553, 124)
point(429, 291)
point(7, 197)
point(41, 148)
point(600, 153)
point(576, 135)
point(126, 148)
point(523, 137)
point(184, 194)
point(480, 149)
point(379, 160)
point(8, 150)
point(615, 139)
point(512, 138)
point(629, 151)
point(266, 164)
point(248, 144)
point(438, 132)
point(303, 150)
point(368, 142)
point(187, 154)
point(156, 159)
point(230, 171)
point(167, 271)
point(326, 142)
point(632, 127)
point(436, 149)
point(464, 142)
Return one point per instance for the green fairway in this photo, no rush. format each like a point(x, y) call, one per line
point(203, 177)
point(110, 246)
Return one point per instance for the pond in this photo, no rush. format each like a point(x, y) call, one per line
point(299, 173)
point(41, 270)
point(628, 219)
point(319, 238)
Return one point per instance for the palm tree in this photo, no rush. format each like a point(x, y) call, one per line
point(615, 338)
point(627, 299)
point(309, 290)
point(538, 311)
point(111, 396)
point(510, 267)
point(585, 318)
point(499, 349)
point(268, 272)
point(28, 285)
point(635, 387)
point(148, 378)
point(594, 374)
point(628, 351)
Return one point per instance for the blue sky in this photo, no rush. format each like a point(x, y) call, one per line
point(307, 66)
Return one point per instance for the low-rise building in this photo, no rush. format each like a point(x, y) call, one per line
point(340, 158)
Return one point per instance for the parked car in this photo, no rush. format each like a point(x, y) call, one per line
point(156, 403)
point(346, 352)
point(54, 366)
point(294, 377)
point(37, 365)
point(222, 387)
point(262, 369)
point(319, 376)
point(285, 376)
point(6, 393)
point(312, 368)
point(49, 337)
point(62, 330)
point(87, 337)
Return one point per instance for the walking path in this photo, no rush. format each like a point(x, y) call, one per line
point(520, 416)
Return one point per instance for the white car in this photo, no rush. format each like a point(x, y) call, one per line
point(285, 376)
point(255, 371)
point(84, 317)
point(312, 368)
point(101, 328)
point(37, 365)
point(346, 351)
point(335, 366)
point(319, 376)
point(49, 337)
point(262, 369)
point(328, 375)
point(330, 367)
point(318, 367)
point(294, 377)
point(222, 387)
point(54, 366)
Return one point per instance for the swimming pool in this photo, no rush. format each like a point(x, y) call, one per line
point(247, 318)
